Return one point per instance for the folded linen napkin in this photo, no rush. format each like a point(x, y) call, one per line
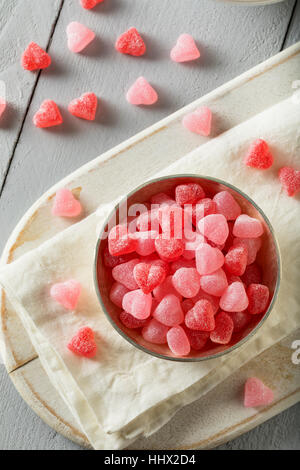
point(124, 393)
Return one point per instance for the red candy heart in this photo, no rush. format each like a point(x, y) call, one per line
point(148, 276)
point(83, 343)
point(131, 43)
point(84, 107)
point(290, 180)
point(201, 316)
point(259, 155)
point(236, 260)
point(48, 115)
point(223, 330)
point(257, 393)
point(34, 58)
point(258, 296)
point(188, 193)
point(169, 249)
point(120, 242)
point(88, 4)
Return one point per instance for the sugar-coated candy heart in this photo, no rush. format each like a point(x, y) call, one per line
point(214, 283)
point(247, 227)
point(188, 193)
point(83, 343)
point(123, 273)
point(155, 332)
point(185, 49)
point(148, 220)
point(208, 259)
point(117, 293)
point(84, 107)
point(141, 93)
point(171, 219)
point(227, 205)
point(131, 43)
point(88, 4)
point(240, 320)
point(199, 121)
point(252, 245)
point(145, 242)
point(35, 58)
point(187, 282)
point(120, 242)
point(130, 321)
point(259, 155)
point(187, 304)
point(236, 260)
point(214, 227)
point(178, 341)
point(166, 288)
point(148, 276)
point(197, 339)
point(223, 329)
point(79, 36)
point(205, 206)
point(66, 293)
point(169, 311)
point(201, 316)
point(257, 393)
point(290, 180)
point(138, 304)
point(169, 249)
point(65, 204)
point(182, 263)
point(258, 295)
point(2, 106)
point(234, 299)
point(214, 301)
point(252, 274)
point(48, 115)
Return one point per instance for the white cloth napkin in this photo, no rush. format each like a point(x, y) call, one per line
point(123, 393)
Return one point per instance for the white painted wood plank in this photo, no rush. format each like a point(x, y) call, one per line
point(232, 39)
point(21, 21)
point(293, 33)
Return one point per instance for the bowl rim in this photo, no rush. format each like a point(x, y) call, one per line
point(183, 358)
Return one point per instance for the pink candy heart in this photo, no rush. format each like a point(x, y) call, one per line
point(65, 204)
point(247, 227)
point(138, 304)
point(169, 311)
point(214, 227)
point(257, 393)
point(79, 36)
point(199, 121)
point(185, 49)
point(66, 293)
point(208, 259)
point(141, 92)
point(234, 299)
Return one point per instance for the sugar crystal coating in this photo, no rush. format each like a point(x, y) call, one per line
point(290, 180)
point(234, 298)
point(169, 249)
point(48, 115)
point(141, 93)
point(66, 293)
point(124, 274)
point(34, 57)
point(252, 245)
point(214, 301)
point(89, 4)
point(214, 227)
point(227, 205)
point(185, 49)
point(187, 282)
point(236, 260)
point(201, 316)
point(83, 343)
point(178, 341)
point(131, 43)
point(257, 393)
point(120, 242)
point(208, 259)
point(223, 329)
point(259, 155)
point(247, 227)
point(138, 304)
point(214, 283)
point(65, 204)
point(169, 311)
point(148, 276)
point(84, 107)
point(258, 295)
point(188, 193)
point(199, 121)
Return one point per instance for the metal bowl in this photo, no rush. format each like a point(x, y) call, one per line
point(268, 257)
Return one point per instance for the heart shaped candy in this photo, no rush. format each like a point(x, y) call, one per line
point(65, 204)
point(257, 393)
point(185, 49)
point(66, 293)
point(48, 115)
point(84, 107)
point(79, 36)
point(141, 92)
point(199, 121)
point(83, 343)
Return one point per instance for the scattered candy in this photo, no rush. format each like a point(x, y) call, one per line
point(169, 249)
point(66, 293)
point(259, 155)
point(208, 259)
point(185, 49)
point(130, 321)
point(227, 205)
point(234, 299)
point(35, 58)
point(215, 228)
point(247, 227)
point(117, 293)
point(252, 245)
point(199, 121)
point(187, 282)
point(84, 107)
point(188, 193)
point(214, 283)
point(148, 276)
point(201, 316)
point(178, 341)
point(252, 275)
point(257, 393)
point(290, 180)
point(79, 36)
point(240, 320)
point(166, 288)
point(141, 93)
point(223, 330)
point(83, 343)
point(88, 4)
point(131, 43)
point(2, 106)
point(258, 296)
point(236, 260)
point(120, 242)
point(65, 204)
point(155, 332)
point(169, 311)
point(138, 304)
point(48, 115)
point(124, 274)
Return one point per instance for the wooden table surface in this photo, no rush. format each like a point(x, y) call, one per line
point(232, 39)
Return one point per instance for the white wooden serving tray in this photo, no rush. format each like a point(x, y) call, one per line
point(207, 422)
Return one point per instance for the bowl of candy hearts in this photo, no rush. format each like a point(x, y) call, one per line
point(187, 268)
